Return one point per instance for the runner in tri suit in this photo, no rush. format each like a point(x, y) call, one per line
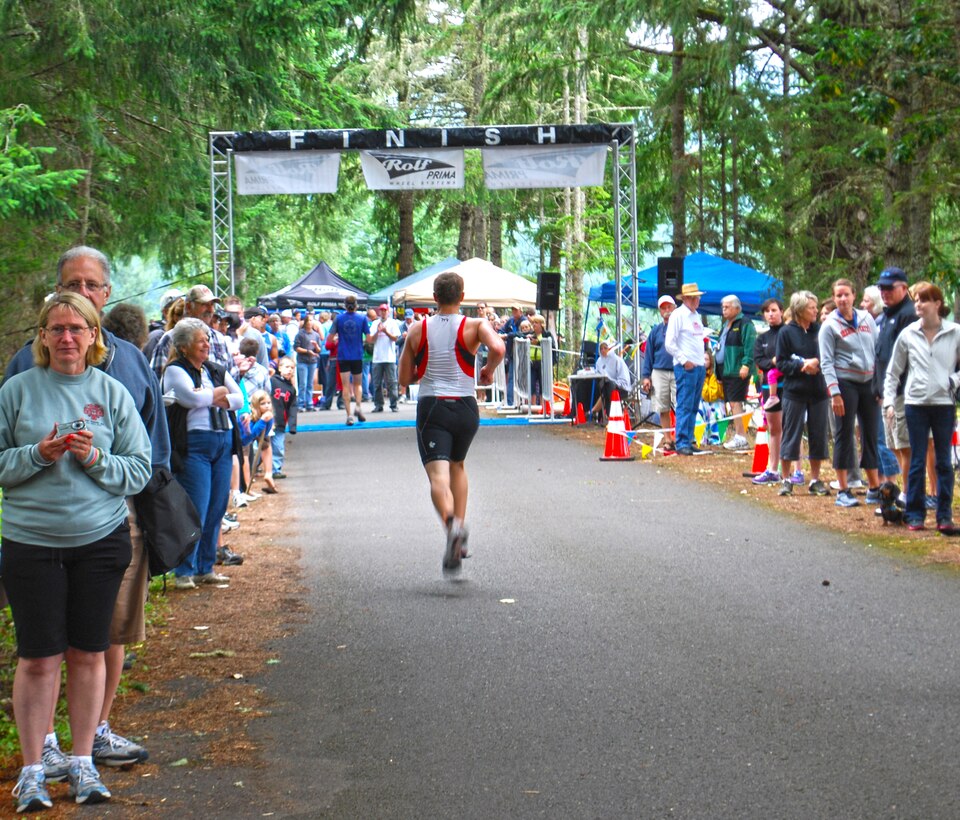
point(439, 353)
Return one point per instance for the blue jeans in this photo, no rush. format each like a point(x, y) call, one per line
point(206, 478)
point(508, 364)
point(327, 376)
point(279, 443)
point(889, 466)
point(922, 420)
point(689, 393)
point(384, 372)
point(305, 374)
point(365, 378)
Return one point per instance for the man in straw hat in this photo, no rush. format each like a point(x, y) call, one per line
point(684, 341)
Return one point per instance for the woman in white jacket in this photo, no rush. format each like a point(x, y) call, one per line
point(929, 351)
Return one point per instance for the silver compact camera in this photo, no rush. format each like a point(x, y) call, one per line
point(71, 427)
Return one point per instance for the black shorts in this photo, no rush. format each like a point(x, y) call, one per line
point(354, 366)
point(64, 598)
point(446, 427)
point(735, 388)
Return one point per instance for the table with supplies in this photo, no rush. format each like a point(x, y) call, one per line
point(586, 386)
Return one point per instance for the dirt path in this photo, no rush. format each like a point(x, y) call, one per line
point(197, 683)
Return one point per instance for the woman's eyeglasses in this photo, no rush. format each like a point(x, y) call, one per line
point(62, 330)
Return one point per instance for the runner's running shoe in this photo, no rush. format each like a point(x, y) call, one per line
point(452, 555)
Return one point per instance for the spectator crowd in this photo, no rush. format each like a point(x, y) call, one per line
point(214, 389)
point(868, 384)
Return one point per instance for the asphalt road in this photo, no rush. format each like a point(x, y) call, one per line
point(622, 644)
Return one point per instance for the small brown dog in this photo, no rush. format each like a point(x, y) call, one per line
point(890, 508)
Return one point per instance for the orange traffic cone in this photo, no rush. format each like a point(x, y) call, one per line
point(580, 417)
point(616, 447)
point(566, 407)
point(626, 422)
point(761, 452)
point(546, 409)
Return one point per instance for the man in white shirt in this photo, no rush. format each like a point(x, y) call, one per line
point(618, 375)
point(384, 333)
point(684, 341)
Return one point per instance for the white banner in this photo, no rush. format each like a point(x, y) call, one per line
point(287, 172)
point(544, 166)
point(420, 168)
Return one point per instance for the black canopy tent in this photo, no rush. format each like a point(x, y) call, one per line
point(321, 287)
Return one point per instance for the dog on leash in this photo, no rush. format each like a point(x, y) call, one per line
point(890, 508)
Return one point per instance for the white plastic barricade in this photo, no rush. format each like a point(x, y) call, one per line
point(521, 373)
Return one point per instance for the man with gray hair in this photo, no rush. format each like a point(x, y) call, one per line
point(734, 359)
point(199, 303)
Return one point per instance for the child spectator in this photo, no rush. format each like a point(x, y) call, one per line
point(258, 426)
point(283, 394)
point(711, 405)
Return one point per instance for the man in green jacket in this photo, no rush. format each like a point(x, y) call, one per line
point(735, 365)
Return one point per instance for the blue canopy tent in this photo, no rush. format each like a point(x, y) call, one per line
point(386, 294)
point(716, 276)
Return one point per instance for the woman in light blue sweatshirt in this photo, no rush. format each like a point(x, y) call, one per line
point(72, 447)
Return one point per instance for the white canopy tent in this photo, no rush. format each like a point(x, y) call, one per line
point(482, 282)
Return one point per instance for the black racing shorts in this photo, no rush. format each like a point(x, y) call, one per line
point(354, 366)
point(64, 598)
point(735, 388)
point(446, 427)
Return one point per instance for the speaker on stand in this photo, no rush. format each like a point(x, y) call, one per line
point(548, 290)
point(669, 275)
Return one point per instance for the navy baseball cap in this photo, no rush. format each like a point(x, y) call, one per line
point(890, 276)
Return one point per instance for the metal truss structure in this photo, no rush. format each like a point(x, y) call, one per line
point(620, 137)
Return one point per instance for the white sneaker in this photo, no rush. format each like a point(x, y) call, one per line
point(227, 525)
point(184, 582)
point(239, 500)
point(851, 485)
point(737, 443)
point(248, 497)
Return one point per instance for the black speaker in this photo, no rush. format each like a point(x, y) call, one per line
point(548, 291)
point(669, 275)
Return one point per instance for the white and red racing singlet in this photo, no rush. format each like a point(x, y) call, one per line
point(444, 365)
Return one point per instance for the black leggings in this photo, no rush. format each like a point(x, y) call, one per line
point(860, 404)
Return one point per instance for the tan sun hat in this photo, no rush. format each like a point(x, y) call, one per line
point(690, 289)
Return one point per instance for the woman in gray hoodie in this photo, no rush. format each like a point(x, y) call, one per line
point(847, 356)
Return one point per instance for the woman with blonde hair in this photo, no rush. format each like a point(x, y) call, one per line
point(72, 448)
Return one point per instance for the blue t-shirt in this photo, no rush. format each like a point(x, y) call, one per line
point(352, 329)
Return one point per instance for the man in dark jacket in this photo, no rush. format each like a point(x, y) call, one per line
point(898, 312)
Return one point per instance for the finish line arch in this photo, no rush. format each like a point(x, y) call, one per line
point(224, 146)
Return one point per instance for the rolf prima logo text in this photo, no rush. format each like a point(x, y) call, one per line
point(401, 165)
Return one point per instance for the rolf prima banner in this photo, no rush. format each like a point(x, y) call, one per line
point(413, 168)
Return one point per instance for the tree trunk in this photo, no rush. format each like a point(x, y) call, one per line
point(735, 170)
point(465, 241)
point(479, 232)
point(407, 242)
point(496, 236)
point(724, 216)
point(786, 266)
point(86, 197)
point(678, 210)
